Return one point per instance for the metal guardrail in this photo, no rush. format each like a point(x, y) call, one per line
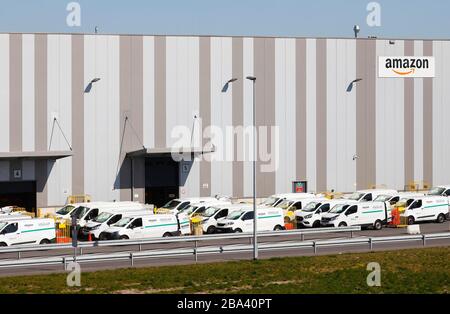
point(228, 236)
point(371, 241)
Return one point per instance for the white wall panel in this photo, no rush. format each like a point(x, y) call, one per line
point(28, 101)
point(102, 118)
point(59, 100)
point(285, 72)
point(390, 123)
point(221, 114)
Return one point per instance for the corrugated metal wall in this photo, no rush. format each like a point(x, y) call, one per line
point(397, 127)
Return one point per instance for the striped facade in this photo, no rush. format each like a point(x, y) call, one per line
point(396, 127)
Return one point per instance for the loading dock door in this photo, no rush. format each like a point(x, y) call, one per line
point(161, 180)
point(21, 194)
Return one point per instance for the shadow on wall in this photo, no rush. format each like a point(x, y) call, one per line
point(124, 175)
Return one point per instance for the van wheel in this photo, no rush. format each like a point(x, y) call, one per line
point(316, 224)
point(411, 220)
point(3, 244)
point(342, 224)
point(440, 219)
point(277, 228)
point(211, 230)
point(377, 225)
point(44, 241)
point(238, 230)
point(124, 237)
point(167, 234)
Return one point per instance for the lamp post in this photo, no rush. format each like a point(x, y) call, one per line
point(255, 216)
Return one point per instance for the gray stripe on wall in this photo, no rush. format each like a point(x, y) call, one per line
point(264, 69)
point(78, 114)
point(137, 104)
point(160, 91)
point(15, 101)
point(125, 98)
point(238, 113)
point(205, 109)
point(300, 110)
point(428, 120)
point(321, 115)
point(365, 113)
point(409, 119)
point(40, 79)
point(131, 110)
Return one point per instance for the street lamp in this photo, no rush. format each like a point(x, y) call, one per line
point(255, 216)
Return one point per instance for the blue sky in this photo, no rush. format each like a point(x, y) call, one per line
point(327, 18)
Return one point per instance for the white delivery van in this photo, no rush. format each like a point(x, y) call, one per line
point(392, 200)
point(186, 213)
point(269, 219)
point(311, 215)
point(176, 205)
point(85, 212)
point(440, 190)
point(426, 208)
point(141, 227)
point(366, 214)
point(27, 231)
point(370, 195)
point(213, 214)
point(276, 199)
point(105, 220)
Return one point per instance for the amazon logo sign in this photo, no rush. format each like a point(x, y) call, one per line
point(406, 67)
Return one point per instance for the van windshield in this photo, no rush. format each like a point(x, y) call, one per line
point(284, 204)
point(123, 222)
point(337, 209)
point(312, 206)
point(270, 201)
point(102, 217)
point(189, 210)
point(382, 198)
point(171, 204)
point(65, 210)
point(210, 211)
point(235, 215)
point(356, 196)
point(436, 191)
point(79, 212)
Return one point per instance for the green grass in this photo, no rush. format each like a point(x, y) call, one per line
point(404, 271)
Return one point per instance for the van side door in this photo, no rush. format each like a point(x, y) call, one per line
point(247, 219)
point(136, 228)
point(416, 209)
point(352, 215)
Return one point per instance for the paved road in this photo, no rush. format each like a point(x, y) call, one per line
point(426, 228)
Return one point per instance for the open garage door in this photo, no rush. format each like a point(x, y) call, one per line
point(20, 194)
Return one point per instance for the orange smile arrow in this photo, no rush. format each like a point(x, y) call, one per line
point(405, 73)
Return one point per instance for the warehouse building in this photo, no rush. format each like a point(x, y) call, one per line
point(94, 114)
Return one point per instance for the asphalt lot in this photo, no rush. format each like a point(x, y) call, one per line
point(426, 228)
